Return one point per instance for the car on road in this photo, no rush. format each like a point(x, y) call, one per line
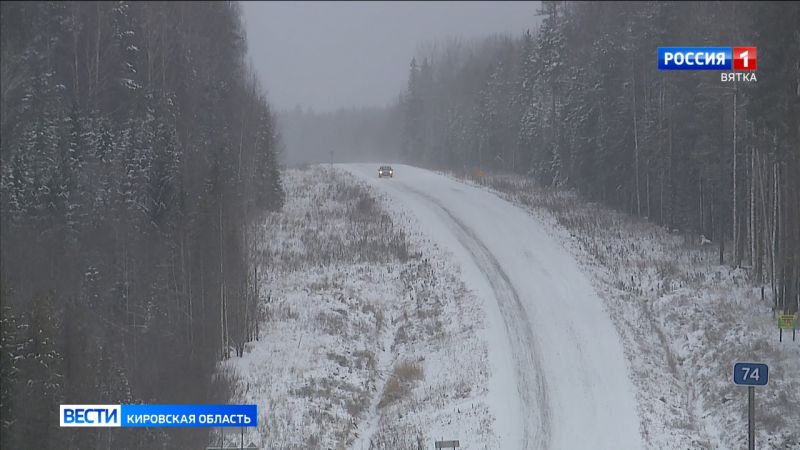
point(385, 171)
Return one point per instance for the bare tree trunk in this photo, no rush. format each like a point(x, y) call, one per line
point(752, 208)
point(225, 323)
point(661, 148)
point(661, 199)
point(163, 53)
point(647, 184)
point(96, 88)
point(759, 224)
point(780, 240)
point(203, 319)
point(671, 179)
point(222, 319)
point(241, 146)
point(187, 291)
point(766, 248)
point(177, 292)
point(244, 326)
point(736, 260)
point(76, 82)
point(711, 219)
point(150, 58)
point(255, 301)
point(702, 221)
point(721, 244)
point(636, 149)
point(720, 196)
point(774, 231)
point(222, 284)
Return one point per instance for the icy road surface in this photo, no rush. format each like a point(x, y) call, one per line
point(559, 377)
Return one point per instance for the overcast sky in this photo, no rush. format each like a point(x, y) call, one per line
point(327, 55)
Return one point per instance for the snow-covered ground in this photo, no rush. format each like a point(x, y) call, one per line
point(684, 320)
point(559, 378)
point(419, 308)
point(370, 339)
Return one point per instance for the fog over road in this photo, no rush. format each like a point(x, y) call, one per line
point(559, 377)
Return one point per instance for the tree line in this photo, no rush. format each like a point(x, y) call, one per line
point(137, 151)
point(579, 102)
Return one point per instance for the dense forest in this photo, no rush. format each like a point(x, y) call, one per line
point(137, 150)
point(579, 102)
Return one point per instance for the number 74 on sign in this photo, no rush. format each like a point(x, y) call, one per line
point(750, 374)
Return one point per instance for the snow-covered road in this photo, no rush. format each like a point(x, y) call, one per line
point(559, 377)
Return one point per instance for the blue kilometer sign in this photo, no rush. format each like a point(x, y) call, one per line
point(750, 374)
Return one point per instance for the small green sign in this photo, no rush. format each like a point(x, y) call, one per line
point(787, 322)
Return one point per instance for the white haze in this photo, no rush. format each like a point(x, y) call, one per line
point(331, 55)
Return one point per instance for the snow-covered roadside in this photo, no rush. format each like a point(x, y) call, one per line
point(368, 338)
point(684, 320)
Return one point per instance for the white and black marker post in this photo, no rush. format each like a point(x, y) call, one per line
point(751, 375)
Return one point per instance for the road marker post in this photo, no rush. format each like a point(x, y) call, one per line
point(751, 375)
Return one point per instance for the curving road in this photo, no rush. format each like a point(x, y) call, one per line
point(559, 377)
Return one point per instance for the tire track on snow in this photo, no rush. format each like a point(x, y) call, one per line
point(531, 382)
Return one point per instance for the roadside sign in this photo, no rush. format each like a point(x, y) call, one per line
point(787, 322)
point(447, 444)
point(750, 374)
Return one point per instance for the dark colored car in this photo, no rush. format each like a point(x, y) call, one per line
point(385, 171)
